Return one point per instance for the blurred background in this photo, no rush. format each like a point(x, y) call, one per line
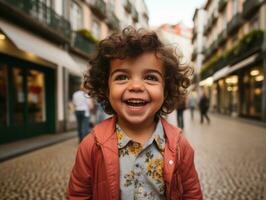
point(44, 50)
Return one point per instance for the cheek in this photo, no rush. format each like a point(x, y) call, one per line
point(159, 95)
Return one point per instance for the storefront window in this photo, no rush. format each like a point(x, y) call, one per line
point(36, 96)
point(252, 101)
point(256, 91)
point(232, 89)
point(3, 95)
point(19, 96)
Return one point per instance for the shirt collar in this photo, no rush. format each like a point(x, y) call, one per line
point(157, 136)
point(122, 138)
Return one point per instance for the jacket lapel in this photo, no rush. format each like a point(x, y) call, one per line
point(170, 153)
point(107, 140)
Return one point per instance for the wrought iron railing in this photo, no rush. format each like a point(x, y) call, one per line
point(249, 7)
point(43, 14)
point(99, 8)
point(83, 44)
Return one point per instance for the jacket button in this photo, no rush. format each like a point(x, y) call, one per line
point(171, 162)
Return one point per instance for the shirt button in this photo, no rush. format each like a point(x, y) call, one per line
point(136, 145)
point(171, 162)
point(141, 189)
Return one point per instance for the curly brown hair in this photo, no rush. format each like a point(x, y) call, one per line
point(131, 43)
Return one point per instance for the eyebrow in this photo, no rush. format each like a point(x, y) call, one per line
point(154, 71)
point(146, 71)
point(119, 70)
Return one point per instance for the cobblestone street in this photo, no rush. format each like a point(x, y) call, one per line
point(230, 158)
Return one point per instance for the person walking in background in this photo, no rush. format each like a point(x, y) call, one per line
point(204, 107)
point(82, 105)
point(192, 103)
point(180, 114)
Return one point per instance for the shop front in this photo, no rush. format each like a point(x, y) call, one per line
point(240, 93)
point(251, 92)
point(27, 99)
point(227, 95)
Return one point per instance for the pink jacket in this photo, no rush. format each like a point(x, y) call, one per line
point(95, 174)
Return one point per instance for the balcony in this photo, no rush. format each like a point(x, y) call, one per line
point(214, 46)
point(221, 38)
point(135, 15)
point(208, 26)
point(146, 16)
point(234, 24)
point(250, 7)
point(98, 7)
point(222, 5)
point(207, 53)
point(194, 34)
point(245, 47)
point(84, 42)
point(214, 18)
point(194, 55)
point(127, 6)
point(38, 16)
point(112, 21)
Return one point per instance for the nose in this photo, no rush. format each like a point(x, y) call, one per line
point(136, 86)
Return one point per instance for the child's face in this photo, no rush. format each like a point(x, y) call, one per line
point(136, 89)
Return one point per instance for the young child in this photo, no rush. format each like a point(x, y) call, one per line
point(135, 154)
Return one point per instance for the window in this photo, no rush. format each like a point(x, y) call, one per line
point(224, 21)
point(235, 7)
point(75, 16)
point(19, 96)
point(252, 93)
point(48, 3)
point(96, 28)
point(36, 96)
point(254, 23)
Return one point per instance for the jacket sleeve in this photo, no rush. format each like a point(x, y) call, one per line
point(80, 183)
point(189, 176)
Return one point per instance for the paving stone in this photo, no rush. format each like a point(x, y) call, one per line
point(229, 155)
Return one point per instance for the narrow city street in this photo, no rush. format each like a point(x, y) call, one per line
point(230, 158)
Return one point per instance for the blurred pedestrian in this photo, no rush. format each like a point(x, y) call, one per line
point(100, 115)
point(192, 103)
point(204, 107)
point(180, 114)
point(82, 105)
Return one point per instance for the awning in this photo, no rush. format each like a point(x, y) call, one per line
point(221, 73)
point(243, 63)
point(229, 69)
point(30, 43)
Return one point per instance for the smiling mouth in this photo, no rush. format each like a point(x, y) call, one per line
point(136, 102)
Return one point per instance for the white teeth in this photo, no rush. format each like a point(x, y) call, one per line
point(135, 101)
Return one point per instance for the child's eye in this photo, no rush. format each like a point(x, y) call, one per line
point(151, 77)
point(121, 77)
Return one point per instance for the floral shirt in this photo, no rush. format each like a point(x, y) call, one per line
point(141, 167)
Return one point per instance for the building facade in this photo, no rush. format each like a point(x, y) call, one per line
point(44, 50)
point(233, 70)
point(198, 43)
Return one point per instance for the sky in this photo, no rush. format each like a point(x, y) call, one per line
point(172, 11)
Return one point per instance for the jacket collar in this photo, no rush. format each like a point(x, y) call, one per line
point(108, 128)
point(157, 137)
point(106, 138)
